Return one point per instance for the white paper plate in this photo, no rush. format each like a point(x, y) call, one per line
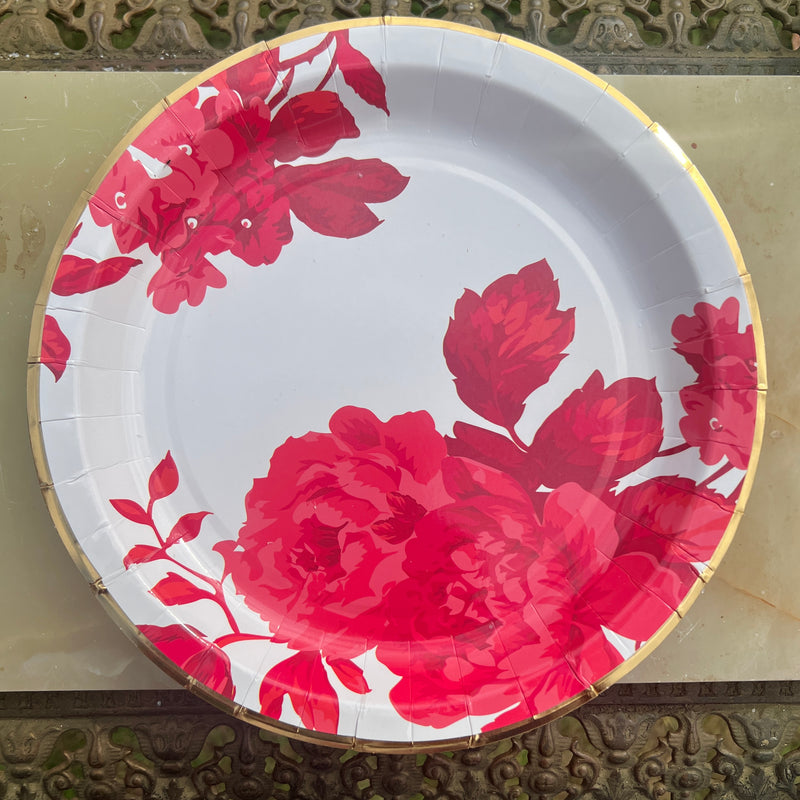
point(402, 385)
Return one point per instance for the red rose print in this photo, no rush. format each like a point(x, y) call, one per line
point(257, 222)
point(524, 602)
point(193, 653)
point(721, 405)
point(467, 562)
point(55, 347)
point(201, 179)
point(324, 539)
point(505, 343)
point(599, 434)
point(667, 525)
point(580, 566)
point(720, 422)
point(712, 345)
point(182, 281)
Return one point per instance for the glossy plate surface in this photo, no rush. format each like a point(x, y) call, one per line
point(398, 386)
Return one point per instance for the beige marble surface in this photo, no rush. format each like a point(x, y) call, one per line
point(56, 129)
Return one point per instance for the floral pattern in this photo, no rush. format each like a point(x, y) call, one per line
point(215, 174)
point(492, 577)
point(488, 572)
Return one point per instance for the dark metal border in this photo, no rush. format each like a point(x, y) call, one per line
point(689, 37)
point(733, 741)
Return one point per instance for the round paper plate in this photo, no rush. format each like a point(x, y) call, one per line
point(396, 385)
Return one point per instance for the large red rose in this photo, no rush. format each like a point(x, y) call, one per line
point(467, 562)
point(325, 536)
point(599, 433)
point(511, 613)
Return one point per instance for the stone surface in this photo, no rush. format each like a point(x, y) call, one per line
point(56, 131)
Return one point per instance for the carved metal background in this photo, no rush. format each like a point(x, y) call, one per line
point(738, 741)
point(607, 36)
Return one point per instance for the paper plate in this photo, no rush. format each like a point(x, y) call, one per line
point(397, 386)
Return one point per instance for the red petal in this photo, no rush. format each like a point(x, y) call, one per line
point(505, 343)
point(310, 124)
point(321, 712)
point(55, 347)
point(193, 653)
point(331, 198)
point(303, 678)
point(163, 479)
point(131, 510)
point(179, 281)
point(359, 73)
point(351, 675)
point(142, 553)
point(175, 590)
point(187, 527)
point(175, 641)
point(80, 275)
point(212, 668)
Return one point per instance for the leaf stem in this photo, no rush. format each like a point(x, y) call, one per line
point(283, 92)
point(517, 441)
point(671, 451)
point(219, 595)
point(151, 522)
point(715, 475)
point(307, 57)
point(328, 74)
point(232, 638)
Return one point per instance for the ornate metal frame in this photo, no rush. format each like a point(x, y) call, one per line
point(607, 36)
point(730, 741)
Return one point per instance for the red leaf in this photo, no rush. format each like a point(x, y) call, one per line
point(494, 450)
point(131, 510)
point(175, 590)
point(186, 528)
point(505, 343)
point(163, 479)
point(194, 654)
point(55, 347)
point(310, 124)
point(303, 678)
point(331, 198)
point(351, 675)
point(77, 275)
point(359, 73)
point(142, 553)
point(598, 435)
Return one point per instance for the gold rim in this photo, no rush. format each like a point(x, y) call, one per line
point(168, 666)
